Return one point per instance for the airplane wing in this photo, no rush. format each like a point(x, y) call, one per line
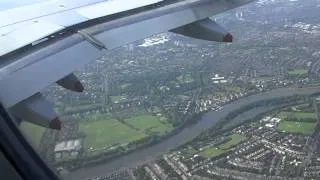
point(44, 43)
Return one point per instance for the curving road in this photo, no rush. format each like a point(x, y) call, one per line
point(207, 120)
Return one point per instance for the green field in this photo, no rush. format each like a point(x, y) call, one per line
point(236, 89)
point(211, 152)
point(118, 99)
point(186, 78)
point(296, 127)
point(297, 72)
point(298, 115)
point(262, 79)
point(183, 97)
point(125, 86)
point(69, 108)
point(215, 151)
point(104, 131)
point(235, 139)
point(108, 132)
point(149, 123)
point(33, 132)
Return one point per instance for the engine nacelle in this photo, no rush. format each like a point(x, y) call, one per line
point(37, 110)
point(205, 29)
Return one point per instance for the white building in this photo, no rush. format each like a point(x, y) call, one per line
point(218, 79)
point(68, 148)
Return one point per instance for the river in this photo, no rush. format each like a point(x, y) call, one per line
point(208, 119)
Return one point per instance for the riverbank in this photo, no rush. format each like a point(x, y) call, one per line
point(185, 135)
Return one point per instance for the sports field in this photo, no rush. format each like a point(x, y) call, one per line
point(33, 132)
point(297, 115)
point(235, 139)
point(297, 127)
point(211, 152)
point(236, 89)
point(215, 151)
point(150, 123)
point(107, 132)
point(297, 72)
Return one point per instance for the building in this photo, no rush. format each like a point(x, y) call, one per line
point(67, 149)
point(218, 79)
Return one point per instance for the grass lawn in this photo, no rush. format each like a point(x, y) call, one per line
point(33, 132)
point(80, 107)
point(125, 86)
point(149, 122)
point(300, 116)
point(297, 72)
point(296, 127)
point(186, 78)
point(263, 79)
point(216, 151)
point(211, 152)
point(236, 89)
point(107, 132)
point(235, 139)
point(183, 97)
point(118, 99)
